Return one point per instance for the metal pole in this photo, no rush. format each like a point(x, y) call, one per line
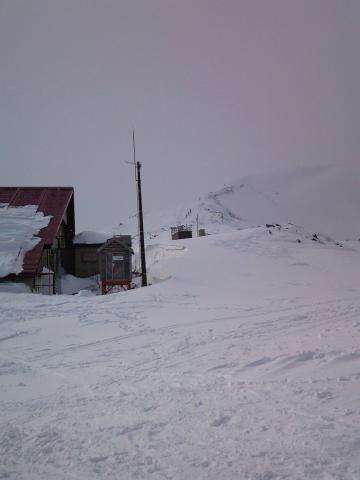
point(141, 229)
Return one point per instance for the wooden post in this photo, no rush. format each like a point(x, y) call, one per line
point(141, 220)
point(141, 230)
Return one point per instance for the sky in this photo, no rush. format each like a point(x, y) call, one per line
point(215, 89)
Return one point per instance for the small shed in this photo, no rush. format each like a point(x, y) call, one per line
point(86, 246)
point(181, 231)
point(115, 263)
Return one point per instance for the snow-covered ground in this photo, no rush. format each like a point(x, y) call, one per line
point(243, 363)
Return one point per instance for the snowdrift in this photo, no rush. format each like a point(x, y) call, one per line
point(244, 363)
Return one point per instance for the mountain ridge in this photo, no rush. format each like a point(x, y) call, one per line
point(323, 199)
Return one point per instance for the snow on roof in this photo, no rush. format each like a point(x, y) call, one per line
point(53, 201)
point(18, 229)
point(88, 237)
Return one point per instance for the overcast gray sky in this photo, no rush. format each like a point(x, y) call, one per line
point(215, 89)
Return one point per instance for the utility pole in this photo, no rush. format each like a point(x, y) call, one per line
point(140, 217)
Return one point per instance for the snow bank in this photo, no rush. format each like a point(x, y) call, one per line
point(156, 259)
point(71, 285)
point(18, 229)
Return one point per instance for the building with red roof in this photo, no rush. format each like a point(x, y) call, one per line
point(54, 251)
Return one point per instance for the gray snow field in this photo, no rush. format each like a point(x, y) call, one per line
point(243, 363)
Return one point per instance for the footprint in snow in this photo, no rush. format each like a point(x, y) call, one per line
point(260, 361)
point(221, 420)
point(324, 395)
point(222, 366)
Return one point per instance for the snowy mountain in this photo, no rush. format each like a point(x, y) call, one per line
point(322, 199)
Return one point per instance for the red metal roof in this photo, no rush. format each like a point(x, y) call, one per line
point(52, 201)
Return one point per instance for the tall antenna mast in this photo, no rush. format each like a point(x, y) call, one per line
point(137, 166)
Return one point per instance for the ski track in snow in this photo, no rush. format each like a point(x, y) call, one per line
point(184, 380)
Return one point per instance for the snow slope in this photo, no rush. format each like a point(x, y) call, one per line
point(323, 199)
point(18, 229)
point(243, 364)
